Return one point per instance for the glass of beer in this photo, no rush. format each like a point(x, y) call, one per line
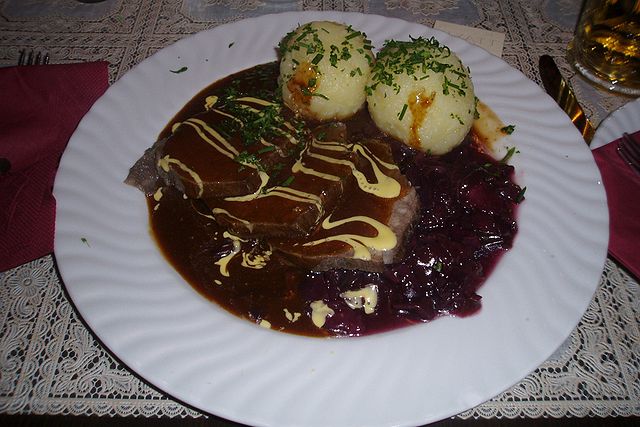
point(606, 45)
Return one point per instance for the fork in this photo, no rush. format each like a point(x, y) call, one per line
point(26, 58)
point(33, 58)
point(629, 150)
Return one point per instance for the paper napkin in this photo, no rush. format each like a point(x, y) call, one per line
point(40, 109)
point(622, 185)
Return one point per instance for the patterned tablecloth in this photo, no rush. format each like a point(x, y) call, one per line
point(51, 364)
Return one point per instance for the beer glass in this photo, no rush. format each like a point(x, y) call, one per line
point(606, 45)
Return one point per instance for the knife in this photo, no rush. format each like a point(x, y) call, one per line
point(561, 92)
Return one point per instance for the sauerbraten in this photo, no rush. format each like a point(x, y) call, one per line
point(321, 229)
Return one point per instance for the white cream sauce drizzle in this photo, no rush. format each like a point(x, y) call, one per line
point(361, 245)
point(366, 298)
point(199, 125)
point(220, 211)
point(300, 167)
point(319, 313)
point(293, 194)
point(248, 108)
point(166, 162)
point(262, 102)
point(256, 261)
point(210, 101)
point(266, 143)
point(204, 214)
point(251, 260)
point(224, 147)
point(284, 192)
point(157, 196)
point(255, 101)
point(264, 179)
point(224, 261)
point(222, 113)
point(385, 187)
point(265, 324)
point(292, 139)
point(291, 317)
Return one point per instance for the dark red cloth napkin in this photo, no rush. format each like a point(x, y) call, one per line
point(40, 107)
point(622, 185)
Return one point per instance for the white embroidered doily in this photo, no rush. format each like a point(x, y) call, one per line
point(51, 364)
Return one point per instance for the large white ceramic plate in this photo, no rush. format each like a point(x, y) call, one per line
point(624, 119)
point(187, 346)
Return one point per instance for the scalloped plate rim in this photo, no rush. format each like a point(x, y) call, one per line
point(86, 288)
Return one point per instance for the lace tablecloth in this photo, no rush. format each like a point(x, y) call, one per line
point(51, 364)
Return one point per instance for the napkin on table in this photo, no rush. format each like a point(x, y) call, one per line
point(40, 108)
point(622, 185)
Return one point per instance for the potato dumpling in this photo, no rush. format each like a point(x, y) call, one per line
point(420, 93)
point(324, 68)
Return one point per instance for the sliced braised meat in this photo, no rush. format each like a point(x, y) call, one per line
point(368, 227)
point(225, 152)
point(311, 188)
point(466, 220)
point(320, 195)
point(204, 161)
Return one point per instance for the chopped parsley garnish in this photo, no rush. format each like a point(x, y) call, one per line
point(508, 130)
point(180, 70)
point(449, 84)
point(520, 196)
point(333, 56)
point(266, 149)
point(245, 158)
point(305, 39)
point(287, 182)
point(85, 241)
point(510, 152)
point(417, 58)
point(355, 71)
point(457, 117)
point(264, 123)
point(353, 33)
point(476, 113)
point(306, 92)
point(490, 169)
point(402, 113)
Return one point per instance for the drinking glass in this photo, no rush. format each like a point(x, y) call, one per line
point(606, 44)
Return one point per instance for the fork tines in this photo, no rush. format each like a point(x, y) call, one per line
point(33, 58)
point(629, 150)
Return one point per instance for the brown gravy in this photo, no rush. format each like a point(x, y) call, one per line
point(274, 294)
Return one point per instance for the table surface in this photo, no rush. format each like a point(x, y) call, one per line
point(51, 364)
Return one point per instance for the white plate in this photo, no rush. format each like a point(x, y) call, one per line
point(624, 119)
point(163, 330)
